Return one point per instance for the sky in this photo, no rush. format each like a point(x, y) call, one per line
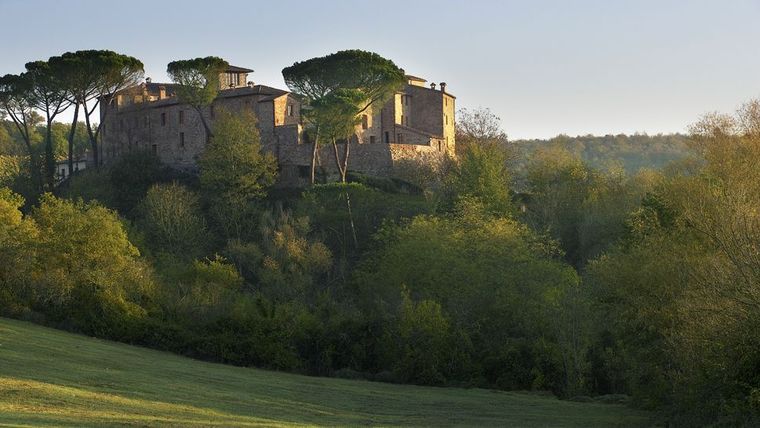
point(545, 67)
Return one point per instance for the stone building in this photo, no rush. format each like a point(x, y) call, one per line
point(416, 124)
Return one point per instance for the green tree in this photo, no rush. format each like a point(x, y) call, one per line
point(234, 172)
point(16, 101)
point(283, 262)
point(18, 237)
point(364, 80)
point(171, 217)
point(49, 92)
point(87, 270)
point(93, 77)
point(482, 174)
point(198, 83)
point(494, 279)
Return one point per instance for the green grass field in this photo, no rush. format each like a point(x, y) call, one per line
point(48, 377)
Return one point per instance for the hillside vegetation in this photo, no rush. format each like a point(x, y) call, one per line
point(48, 377)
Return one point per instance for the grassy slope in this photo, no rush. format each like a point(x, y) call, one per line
point(48, 377)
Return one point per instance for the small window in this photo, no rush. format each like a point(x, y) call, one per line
point(387, 137)
point(182, 139)
point(155, 149)
point(365, 121)
point(446, 118)
point(163, 119)
point(304, 171)
point(211, 111)
point(372, 139)
point(290, 110)
point(181, 117)
point(402, 119)
point(400, 138)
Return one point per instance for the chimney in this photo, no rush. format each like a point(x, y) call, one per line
point(432, 86)
point(161, 92)
point(443, 86)
point(250, 84)
point(147, 80)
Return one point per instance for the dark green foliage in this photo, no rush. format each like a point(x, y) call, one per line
point(332, 220)
point(170, 215)
point(481, 174)
point(483, 271)
point(129, 186)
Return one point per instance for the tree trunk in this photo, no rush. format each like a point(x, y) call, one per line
point(72, 132)
point(49, 155)
point(338, 163)
point(342, 164)
point(206, 128)
point(93, 138)
point(344, 171)
point(314, 151)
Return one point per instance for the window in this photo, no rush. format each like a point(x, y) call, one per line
point(402, 119)
point(163, 119)
point(290, 110)
point(304, 171)
point(181, 117)
point(446, 119)
point(365, 121)
point(155, 149)
point(372, 139)
point(400, 138)
point(387, 137)
point(182, 139)
point(233, 80)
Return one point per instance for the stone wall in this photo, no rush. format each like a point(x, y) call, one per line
point(156, 126)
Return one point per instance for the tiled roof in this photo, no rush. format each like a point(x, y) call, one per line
point(236, 69)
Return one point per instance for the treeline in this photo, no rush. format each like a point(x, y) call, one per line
point(629, 152)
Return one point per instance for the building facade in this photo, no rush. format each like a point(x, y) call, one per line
point(416, 124)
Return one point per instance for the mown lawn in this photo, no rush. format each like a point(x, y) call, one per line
point(48, 377)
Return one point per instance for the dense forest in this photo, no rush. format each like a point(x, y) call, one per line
point(516, 266)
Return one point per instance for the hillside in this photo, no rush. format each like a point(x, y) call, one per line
point(632, 152)
point(48, 377)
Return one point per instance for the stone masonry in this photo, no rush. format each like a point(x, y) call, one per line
point(416, 124)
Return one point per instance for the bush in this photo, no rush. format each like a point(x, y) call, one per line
point(171, 217)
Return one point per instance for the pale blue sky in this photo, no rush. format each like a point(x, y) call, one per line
point(545, 67)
